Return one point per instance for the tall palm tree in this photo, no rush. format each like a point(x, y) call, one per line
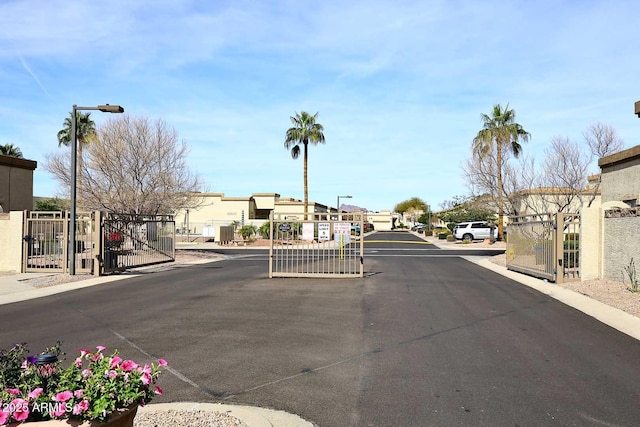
point(85, 131)
point(305, 130)
point(500, 132)
point(10, 150)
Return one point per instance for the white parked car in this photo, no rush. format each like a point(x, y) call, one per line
point(474, 230)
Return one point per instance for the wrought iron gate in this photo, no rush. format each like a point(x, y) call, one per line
point(545, 246)
point(46, 242)
point(137, 240)
point(105, 242)
point(322, 245)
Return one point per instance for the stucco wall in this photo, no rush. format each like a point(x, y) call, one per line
point(621, 175)
point(11, 241)
point(621, 242)
point(591, 243)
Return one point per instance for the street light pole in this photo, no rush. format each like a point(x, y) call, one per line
point(74, 176)
point(338, 202)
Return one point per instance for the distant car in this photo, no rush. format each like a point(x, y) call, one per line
point(355, 228)
point(473, 230)
point(368, 227)
point(419, 228)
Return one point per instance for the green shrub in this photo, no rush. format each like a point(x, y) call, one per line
point(247, 231)
point(632, 274)
point(264, 230)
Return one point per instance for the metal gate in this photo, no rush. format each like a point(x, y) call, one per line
point(105, 242)
point(545, 246)
point(327, 245)
point(45, 242)
point(136, 240)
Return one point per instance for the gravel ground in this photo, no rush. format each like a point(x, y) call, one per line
point(186, 418)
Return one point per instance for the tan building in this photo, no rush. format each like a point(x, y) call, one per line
point(214, 210)
point(16, 183)
point(621, 177)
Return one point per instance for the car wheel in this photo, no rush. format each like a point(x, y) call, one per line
point(467, 237)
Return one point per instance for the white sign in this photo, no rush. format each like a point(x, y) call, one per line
point(324, 231)
point(342, 228)
point(307, 231)
point(342, 232)
point(208, 231)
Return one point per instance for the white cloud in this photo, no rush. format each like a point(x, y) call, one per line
point(399, 86)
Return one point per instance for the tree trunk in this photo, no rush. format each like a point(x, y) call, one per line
point(500, 200)
point(306, 187)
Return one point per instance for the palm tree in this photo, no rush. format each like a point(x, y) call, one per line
point(500, 132)
point(304, 131)
point(85, 131)
point(10, 150)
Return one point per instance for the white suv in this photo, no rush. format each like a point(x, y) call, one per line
point(474, 230)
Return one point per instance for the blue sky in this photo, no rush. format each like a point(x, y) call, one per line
point(399, 85)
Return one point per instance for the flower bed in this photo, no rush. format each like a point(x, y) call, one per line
point(93, 388)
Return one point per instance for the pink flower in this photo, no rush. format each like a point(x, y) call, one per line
point(146, 378)
point(146, 369)
point(13, 391)
point(83, 352)
point(113, 374)
point(35, 393)
point(78, 362)
point(81, 407)
point(4, 416)
point(21, 409)
point(59, 410)
point(63, 396)
point(78, 394)
point(158, 391)
point(86, 372)
point(115, 361)
point(128, 365)
point(100, 348)
point(162, 362)
point(24, 364)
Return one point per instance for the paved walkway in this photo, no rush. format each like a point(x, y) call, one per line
point(15, 288)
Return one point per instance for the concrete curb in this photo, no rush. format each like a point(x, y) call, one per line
point(250, 415)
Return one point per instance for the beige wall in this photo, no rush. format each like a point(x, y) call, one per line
point(381, 220)
point(216, 210)
point(538, 201)
point(16, 183)
point(621, 176)
point(11, 226)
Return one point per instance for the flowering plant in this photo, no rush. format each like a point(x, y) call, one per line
point(93, 387)
point(114, 240)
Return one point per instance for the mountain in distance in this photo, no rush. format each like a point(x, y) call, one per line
point(351, 208)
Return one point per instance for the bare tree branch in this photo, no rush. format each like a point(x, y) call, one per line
point(602, 139)
point(135, 166)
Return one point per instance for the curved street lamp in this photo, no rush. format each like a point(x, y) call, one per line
point(106, 108)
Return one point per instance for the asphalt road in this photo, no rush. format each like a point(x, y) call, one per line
point(426, 339)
